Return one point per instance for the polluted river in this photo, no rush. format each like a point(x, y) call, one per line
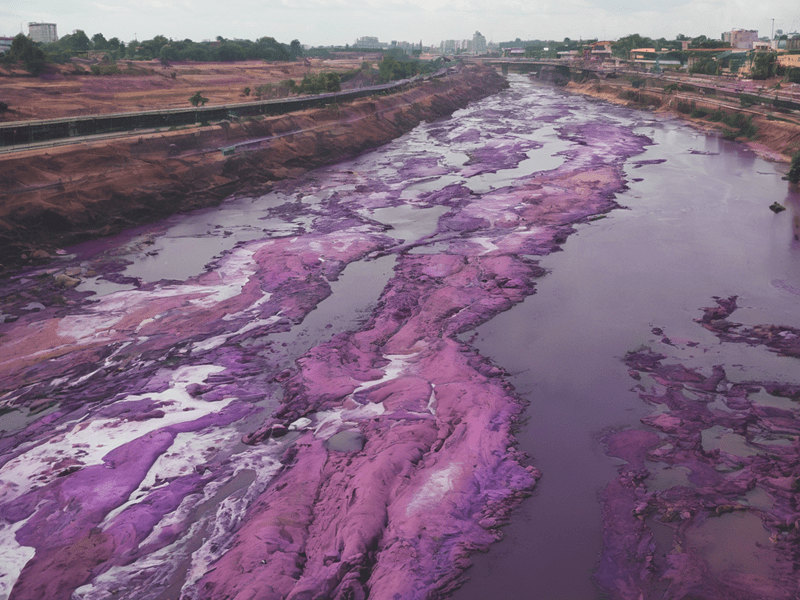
point(546, 348)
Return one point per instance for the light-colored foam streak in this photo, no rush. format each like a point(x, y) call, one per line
point(90, 440)
point(13, 557)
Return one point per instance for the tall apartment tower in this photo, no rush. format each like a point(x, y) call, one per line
point(478, 43)
point(44, 33)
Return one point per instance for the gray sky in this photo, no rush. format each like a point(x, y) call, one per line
point(328, 22)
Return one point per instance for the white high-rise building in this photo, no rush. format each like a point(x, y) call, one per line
point(44, 33)
point(478, 43)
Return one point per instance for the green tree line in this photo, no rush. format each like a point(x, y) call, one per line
point(35, 56)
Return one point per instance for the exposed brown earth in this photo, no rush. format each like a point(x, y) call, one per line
point(70, 90)
point(59, 196)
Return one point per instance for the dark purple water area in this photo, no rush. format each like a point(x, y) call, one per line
point(176, 400)
point(695, 225)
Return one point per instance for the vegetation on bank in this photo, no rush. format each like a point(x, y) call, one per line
point(794, 171)
point(390, 68)
point(34, 57)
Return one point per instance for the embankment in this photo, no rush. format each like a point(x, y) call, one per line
point(59, 196)
point(775, 136)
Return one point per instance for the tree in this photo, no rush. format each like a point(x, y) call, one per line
point(793, 74)
point(169, 53)
point(99, 42)
point(295, 49)
point(794, 171)
point(25, 51)
point(197, 99)
point(763, 65)
point(623, 47)
point(229, 52)
point(706, 65)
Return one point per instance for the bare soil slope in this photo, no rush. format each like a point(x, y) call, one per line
point(70, 90)
point(59, 196)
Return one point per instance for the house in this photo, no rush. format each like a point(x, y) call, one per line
point(514, 52)
point(5, 44)
point(599, 51)
point(789, 60)
point(641, 53)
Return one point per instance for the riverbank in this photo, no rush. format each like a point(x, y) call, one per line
point(60, 196)
point(777, 136)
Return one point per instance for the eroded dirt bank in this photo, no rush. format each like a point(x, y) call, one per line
point(777, 138)
point(64, 195)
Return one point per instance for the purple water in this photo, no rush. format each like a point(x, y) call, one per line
point(696, 226)
point(191, 306)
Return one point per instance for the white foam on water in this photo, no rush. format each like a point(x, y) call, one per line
point(486, 243)
point(188, 449)
point(89, 441)
point(397, 364)
point(98, 324)
point(263, 460)
point(432, 400)
point(218, 340)
point(13, 557)
point(329, 422)
point(147, 577)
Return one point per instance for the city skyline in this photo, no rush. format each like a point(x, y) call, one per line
point(340, 22)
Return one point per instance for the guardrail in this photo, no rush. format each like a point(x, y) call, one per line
point(30, 132)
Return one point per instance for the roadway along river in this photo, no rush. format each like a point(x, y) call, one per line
point(330, 390)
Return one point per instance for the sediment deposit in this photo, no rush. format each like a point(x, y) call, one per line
point(716, 474)
point(167, 441)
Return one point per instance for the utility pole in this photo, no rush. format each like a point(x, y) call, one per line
point(772, 37)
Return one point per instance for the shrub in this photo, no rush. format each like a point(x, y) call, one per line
point(698, 113)
point(794, 171)
point(246, 91)
point(3, 107)
point(746, 101)
point(716, 116)
point(685, 107)
point(105, 69)
point(197, 99)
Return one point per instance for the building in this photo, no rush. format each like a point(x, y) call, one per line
point(5, 44)
point(789, 60)
point(793, 44)
point(741, 39)
point(641, 53)
point(478, 43)
point(599, 51)
point(369, 41)
point(43, 33)
point(514, 52)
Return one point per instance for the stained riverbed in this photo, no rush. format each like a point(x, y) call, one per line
point(189, 417)
point(695, 226)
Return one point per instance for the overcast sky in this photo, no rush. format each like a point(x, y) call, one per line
point(339, 22)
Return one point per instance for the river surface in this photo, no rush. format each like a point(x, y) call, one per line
point(693, 224)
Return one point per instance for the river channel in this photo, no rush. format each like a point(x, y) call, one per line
point(134, 405)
